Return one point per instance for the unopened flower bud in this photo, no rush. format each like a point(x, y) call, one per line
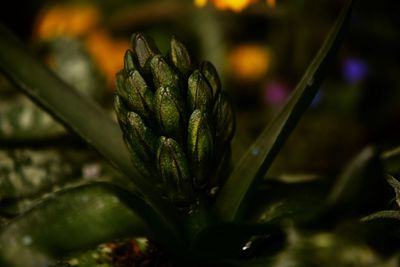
point(121, 110)
point(211, 74)
point(163, 74)
point(174, 170)
point(137, 95)
point(180, 57)
point(129, 62)
point(169, 112)
point(140, 137)
point(199, 95)
point(200, 147)
point(145, 49)
point(224, 118)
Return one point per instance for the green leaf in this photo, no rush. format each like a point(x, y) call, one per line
point(80, 114)
point(69, 221)
point(384, 214)
point(300, 202)
point(391, 160)
point(259, 157)
point(352, 185)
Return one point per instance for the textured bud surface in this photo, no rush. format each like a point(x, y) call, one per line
point(129, 62)
point(200, 146)
point(199, 92)
point(174, 169)
point(163, 74)
point(145, 49)
point(140, 137)
point(224, 118)
point(169, 112)
point(180, 57)
point(176, 120)
point(209, 71)
point(137, 94)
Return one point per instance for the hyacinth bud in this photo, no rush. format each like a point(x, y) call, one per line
point(140, 137)
point(180, 57)
point(145, 49)
point(163, 74)
point(176, 121)
point(224, 118)
point(174, 170)
point(137, 95)
point(121, 111)
point(169, 112)
point(211, 74)
point(200, 146)
point(129, 61)
point(199, 95)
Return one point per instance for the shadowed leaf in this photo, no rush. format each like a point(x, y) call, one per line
point(69, 221)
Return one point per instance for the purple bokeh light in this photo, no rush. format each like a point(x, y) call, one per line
point(354, 69)
point(276, 92)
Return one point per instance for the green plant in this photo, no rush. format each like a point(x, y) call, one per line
point(193, 228)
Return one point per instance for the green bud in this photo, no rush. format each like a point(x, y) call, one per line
point(174, 170)
point(145, 48)
point(224, 119)
point(121, 110)
point(120, 83)
point(211, 74)
point(142, 167)
point(141, 141)
point(200, 146)
point(180, 57)
point(129, 62)
point(199, 94)
point(169, 112)
point(163, 74)
point(137, 95)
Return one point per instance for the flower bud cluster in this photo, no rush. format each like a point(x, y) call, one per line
point(176, 120)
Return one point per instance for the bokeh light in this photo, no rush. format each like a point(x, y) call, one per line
point(354, 69)
point(250, 61)
point(66, 20)
point(276, 93)
point(234, 5)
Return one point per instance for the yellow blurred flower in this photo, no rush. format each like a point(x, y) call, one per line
point(249, 62)
point(235, 5)
point(65, 20)
point(83, 21)
point(107, 53)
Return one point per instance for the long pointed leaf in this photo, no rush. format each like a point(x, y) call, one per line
point(80, 114)
point(261, 154)
point(69, 221)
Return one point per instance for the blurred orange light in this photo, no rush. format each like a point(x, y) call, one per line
point(200, 3)
point(66, 20)
point(107, 53)
point(250, 62)
point(83, 21)
point(271, 3)
point(235, 5)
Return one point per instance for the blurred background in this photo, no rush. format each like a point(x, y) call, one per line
point(260, 48)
